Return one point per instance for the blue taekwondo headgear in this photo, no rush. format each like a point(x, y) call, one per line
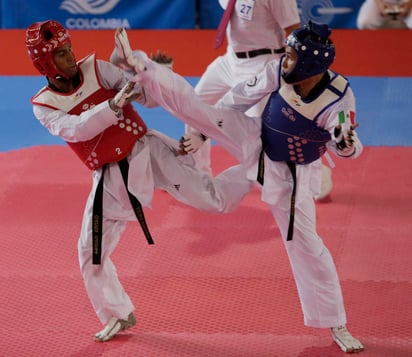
point(314, 49)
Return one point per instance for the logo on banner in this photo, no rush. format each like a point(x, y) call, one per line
point(88, 7)
point(92, 7)
point(320, 11)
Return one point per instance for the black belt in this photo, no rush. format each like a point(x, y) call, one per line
point(262, 51)
point(292, 168)
point(98, 212)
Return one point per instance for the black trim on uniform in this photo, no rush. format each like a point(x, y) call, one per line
point(97, 220)
point(292, 168)
point(137, 206)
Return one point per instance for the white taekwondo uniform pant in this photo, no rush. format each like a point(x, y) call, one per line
point(312, 264)
point(152, 164)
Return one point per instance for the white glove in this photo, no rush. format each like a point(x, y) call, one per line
point(191, 142)
point(125, 95)
point(344, 138)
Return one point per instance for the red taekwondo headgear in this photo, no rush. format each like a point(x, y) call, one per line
point(42, 38)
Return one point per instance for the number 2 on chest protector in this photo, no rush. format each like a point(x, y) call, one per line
point(245, 9)
point(118, 151)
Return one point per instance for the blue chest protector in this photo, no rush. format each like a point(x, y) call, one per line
point(289, 125)
point(290, 132)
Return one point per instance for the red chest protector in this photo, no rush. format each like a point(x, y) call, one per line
point(116, 141)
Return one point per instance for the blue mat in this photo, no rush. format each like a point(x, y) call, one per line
point(383, 111)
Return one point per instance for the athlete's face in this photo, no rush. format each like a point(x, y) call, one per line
point(65, 60)
point(289, 61)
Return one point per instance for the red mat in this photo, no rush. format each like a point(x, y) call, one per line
point(212, 285)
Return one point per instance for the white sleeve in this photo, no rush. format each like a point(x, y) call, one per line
point(86, 125)
point(110, 76)
point(76, 128)
point(91, 122)
point(246, 94)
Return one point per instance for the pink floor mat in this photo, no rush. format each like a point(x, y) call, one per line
point(212, 285)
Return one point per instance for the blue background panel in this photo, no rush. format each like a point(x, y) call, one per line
point(156, 14)
point(383, 111)
point(110, 14)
